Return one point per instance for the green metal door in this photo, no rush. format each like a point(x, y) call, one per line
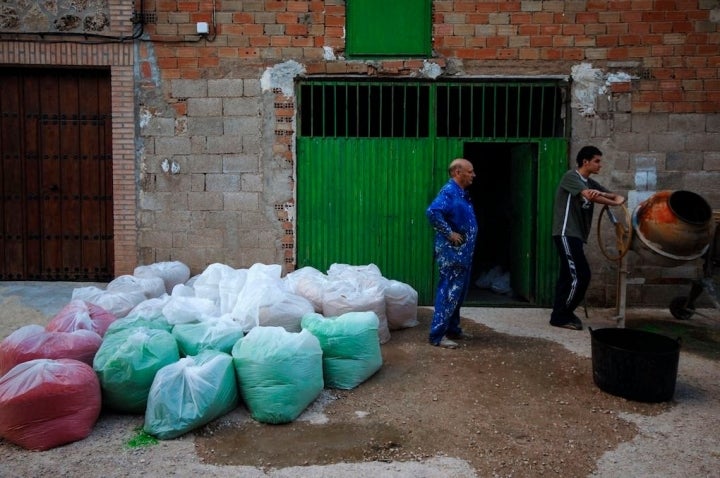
point(363, 202)
point(552, 164)
point(373, 154)
point(521, 209)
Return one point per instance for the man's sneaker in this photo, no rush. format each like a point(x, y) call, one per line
point(460, 336)
point(446, 343)
point(573, 324)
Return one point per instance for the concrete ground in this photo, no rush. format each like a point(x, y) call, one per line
point(674, 444)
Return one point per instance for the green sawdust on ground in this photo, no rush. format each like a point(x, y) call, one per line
point(141, 439)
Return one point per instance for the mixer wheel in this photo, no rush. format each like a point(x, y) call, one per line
point(614, 232)
point(679, 309)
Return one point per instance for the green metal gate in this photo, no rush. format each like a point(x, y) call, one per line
point(372, 155)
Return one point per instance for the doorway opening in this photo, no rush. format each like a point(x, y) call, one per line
point(503, 196)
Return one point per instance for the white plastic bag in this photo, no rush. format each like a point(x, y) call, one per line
point(310, 283)
point(119, 303)
point(171, 272)
point(401, 302)
point(150, 286)
point(342, 296)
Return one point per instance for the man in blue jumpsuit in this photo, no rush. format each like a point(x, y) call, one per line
point(572, 219)
point(452, 217)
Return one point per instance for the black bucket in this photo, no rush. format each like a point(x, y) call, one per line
point(635, 364)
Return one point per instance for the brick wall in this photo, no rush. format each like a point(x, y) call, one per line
point(671, 46)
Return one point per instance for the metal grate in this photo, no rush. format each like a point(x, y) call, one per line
point(517, 110)
point(359, 110)
point(144, 18)
point(499, 110)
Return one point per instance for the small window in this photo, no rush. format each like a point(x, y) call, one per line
point(389, 28)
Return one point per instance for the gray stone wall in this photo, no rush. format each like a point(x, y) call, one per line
point(208, 188)
point(77, 16)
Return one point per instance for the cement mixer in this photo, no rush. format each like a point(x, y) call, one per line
point(669, 229)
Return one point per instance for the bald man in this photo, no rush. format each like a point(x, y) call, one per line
point(452, 217)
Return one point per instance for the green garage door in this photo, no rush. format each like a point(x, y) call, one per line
point(372, 155)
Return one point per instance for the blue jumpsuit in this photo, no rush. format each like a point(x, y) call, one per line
point(451, 211)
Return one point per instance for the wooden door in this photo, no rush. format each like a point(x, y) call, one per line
point(55, 175)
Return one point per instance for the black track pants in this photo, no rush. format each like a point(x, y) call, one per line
point(573, 280)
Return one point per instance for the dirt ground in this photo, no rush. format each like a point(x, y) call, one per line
point(517, 400)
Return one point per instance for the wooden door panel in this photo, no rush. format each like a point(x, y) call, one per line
point(59, 202)
point(11, 173)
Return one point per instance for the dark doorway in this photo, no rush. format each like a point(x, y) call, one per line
point(503, 196)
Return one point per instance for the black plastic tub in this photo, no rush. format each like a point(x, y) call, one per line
point(635, 364)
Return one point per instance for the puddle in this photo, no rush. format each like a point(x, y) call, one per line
point(297, 444)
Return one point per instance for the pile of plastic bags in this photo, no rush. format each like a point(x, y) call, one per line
point(185, 350)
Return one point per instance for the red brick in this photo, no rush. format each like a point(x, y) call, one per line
point(208, 62)
point(550, 30)
point(463, 7)
point(242, 17)
point(528, 30)
point(275, 5)
point(507, 53)
point(187, 6)
point(625, 87)
point(487, 7)
point(297, 6)
point(519, 18)
point(228, 52)
point(187, 62)
point(190, 73)
point(296, 30)
point(257, 42)
point(497, 42)
point(248, 53)
point(618, 54)
point(508, 6)
point(540, 41)
point(286, 18)
point(573, 29)
point(550, 54)
point(620, 5)
point(661, 27)
point(333, 21)
point(301, 41)
point(586, 18)
point(573, 54)
point(167, 63)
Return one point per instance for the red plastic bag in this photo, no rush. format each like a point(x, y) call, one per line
point(46, 403)
point(79, 314)
point(33, 342)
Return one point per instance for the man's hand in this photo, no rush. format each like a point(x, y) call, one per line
point(456, 238)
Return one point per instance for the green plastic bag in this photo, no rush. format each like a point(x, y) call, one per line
point(190, 393)
point(135, 322)
point(216, 333)
point(350, 345)
point(279, 372)
point(126, 364)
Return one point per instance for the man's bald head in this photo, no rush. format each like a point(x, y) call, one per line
point(458, 163)
point(462, 172)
